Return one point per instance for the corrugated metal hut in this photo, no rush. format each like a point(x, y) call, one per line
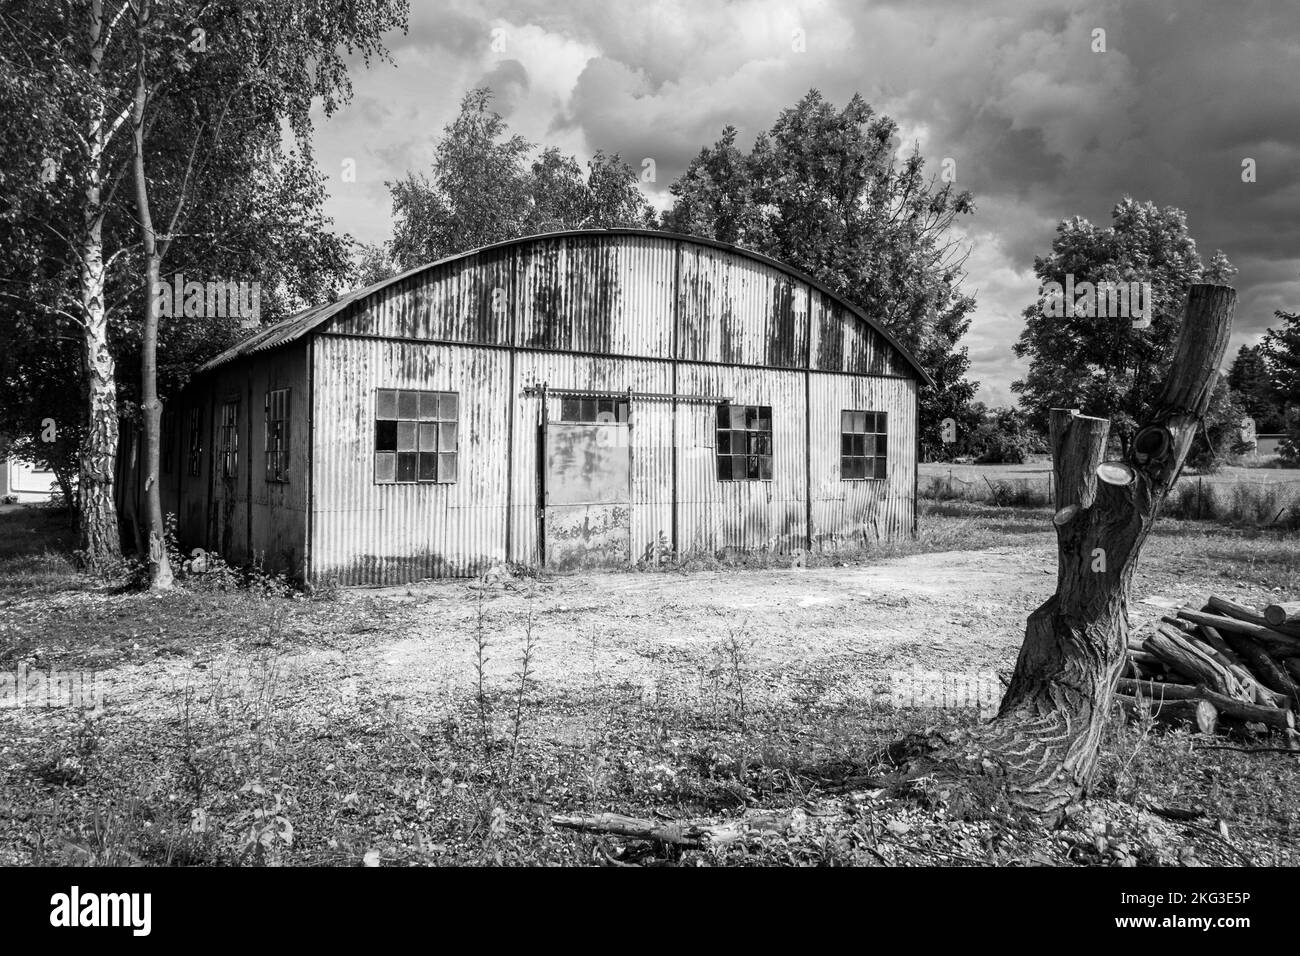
point(578, 399)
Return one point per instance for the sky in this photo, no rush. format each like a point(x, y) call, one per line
point(1041, 124)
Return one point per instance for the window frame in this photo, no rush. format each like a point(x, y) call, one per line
point(876, 460)
point(416, 416)
point(592, 410)
point(194, 443)
point(228, 440)
point(277, 451)
point(759, 465)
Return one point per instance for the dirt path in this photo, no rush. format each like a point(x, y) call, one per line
point(959, 612)
point(956, 612)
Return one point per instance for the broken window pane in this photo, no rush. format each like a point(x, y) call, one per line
point(412, 426)
point(744, 431)
point(406, 466)
point(862, 445)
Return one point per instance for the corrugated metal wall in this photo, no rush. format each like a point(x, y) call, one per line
point(857, 513)
point(716, 515)
point(599, 312)
point(651, 436)
point(740, 312)
point(369, 533)
point(245, 518)
point(595, 294)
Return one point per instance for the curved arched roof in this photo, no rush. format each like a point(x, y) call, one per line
point(302, 323)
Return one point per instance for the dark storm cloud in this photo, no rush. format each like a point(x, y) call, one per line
point(1041, 126)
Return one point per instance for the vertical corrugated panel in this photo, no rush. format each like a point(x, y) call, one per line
point(740, 312)
point(842, 342)
point(860, 512)
point(596, 294)
point(651, 436)
point(464, 301)
point(369, 533)
point(748, 515)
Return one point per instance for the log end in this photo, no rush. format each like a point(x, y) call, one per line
point(1206, 717)
point(1065, 515)
point(1117, 473)
point(1279, 614)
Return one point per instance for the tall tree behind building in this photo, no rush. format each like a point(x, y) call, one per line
point(824, 191)
point(484, 188)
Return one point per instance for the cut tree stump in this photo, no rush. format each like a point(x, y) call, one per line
point(1040, 752)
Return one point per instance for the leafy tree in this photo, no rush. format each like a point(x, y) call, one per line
point(1251, 381)
point(63, 170)
point(1282, 348)
point(219, 82)
point(483, 189)
point(225, 102)
point(715, 197)
point(1104, 365)
point(999, 436)
point(823, 191)
point(613, 196)
point(1219, 440)
point(371, 263)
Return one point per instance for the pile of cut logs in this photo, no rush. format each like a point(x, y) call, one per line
point(1226, 663)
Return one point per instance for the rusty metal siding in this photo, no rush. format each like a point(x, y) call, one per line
point(862, 512)
point(651, 437)
point(716, 515)
point(465, 300)
point(370, 533)
point(842, 342)
point(735, 311)
point(216, 514)
point(598, 294)
point(605, 311)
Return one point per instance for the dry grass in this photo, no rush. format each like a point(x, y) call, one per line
point(238, 764)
